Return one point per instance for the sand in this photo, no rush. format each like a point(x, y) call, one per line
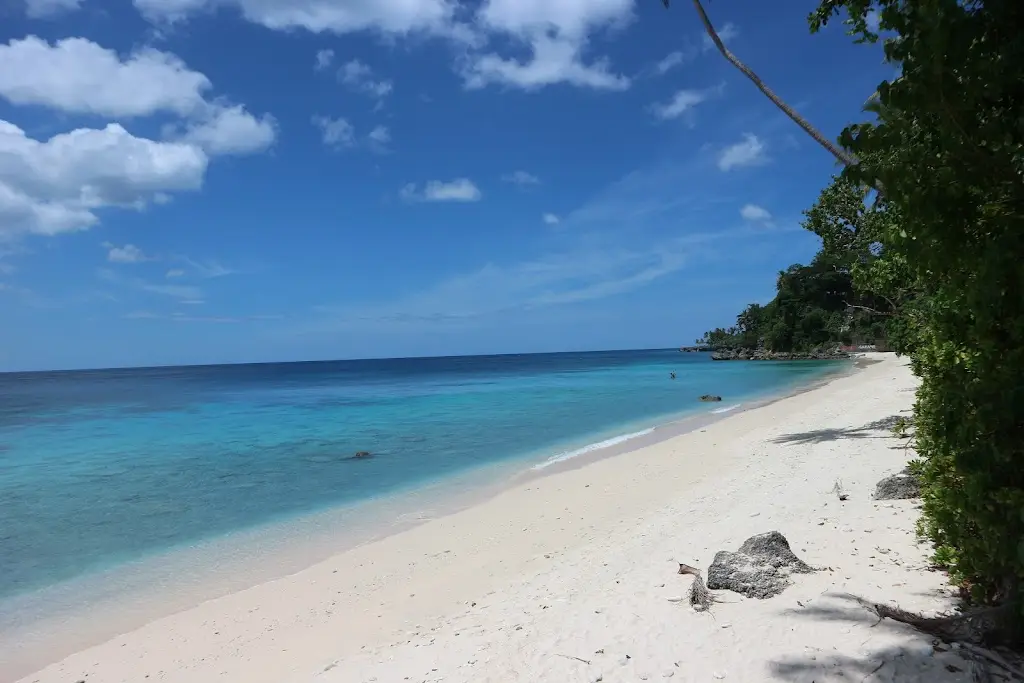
point(572, 576)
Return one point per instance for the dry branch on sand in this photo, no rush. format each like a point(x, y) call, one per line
point(700, 597)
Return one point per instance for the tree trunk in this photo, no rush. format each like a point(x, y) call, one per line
point(843, 156)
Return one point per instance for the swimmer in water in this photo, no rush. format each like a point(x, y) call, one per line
point(672, 375)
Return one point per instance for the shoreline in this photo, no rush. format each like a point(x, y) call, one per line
point(528, 479)
point(65, 617)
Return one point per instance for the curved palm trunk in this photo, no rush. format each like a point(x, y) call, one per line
point(843, 156)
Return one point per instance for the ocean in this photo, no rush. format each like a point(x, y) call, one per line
point(102, 468)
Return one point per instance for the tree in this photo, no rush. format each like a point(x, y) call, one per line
point(840, 154)
point(852, 231)
point(948, 144)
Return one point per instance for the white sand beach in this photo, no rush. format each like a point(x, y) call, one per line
point(572, 576)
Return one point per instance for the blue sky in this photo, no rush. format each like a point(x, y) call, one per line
point(206, 181)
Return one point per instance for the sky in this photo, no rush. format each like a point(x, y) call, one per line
point(212, 181)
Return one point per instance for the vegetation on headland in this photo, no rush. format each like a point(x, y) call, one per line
point(851, 292)
point(945, 152)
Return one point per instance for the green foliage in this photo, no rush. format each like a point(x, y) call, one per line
point(901, 429)
point(947, 150)
point(851, 292)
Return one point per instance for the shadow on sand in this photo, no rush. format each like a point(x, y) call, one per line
point(879, 429)
point(921, 659)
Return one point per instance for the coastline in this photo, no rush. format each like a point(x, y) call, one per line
point(417, 530)
point(72, 615)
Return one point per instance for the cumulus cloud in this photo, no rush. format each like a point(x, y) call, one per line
point(54, 186)
point(337, 133)
point(57, 185)
point(360, 77)
point(129, 253)
point(231, 130)
point(324, 58)
point(755, 213)
point(748, 152)
point(77, 75)
point(550, 219)
point(556, 34)
point(458, 190)
point(521, 178)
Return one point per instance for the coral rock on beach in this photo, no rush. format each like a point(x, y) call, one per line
point(898, 487)
point(760, 569)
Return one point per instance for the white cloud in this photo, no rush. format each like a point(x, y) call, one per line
point(550, 219)
point(77, 75)
point(175, 272)
point(748, 152)
point(337, 133)
point(129, 253)
point(755, 213)
point(671, 61)
point(458, 190)
point(556, 32)
point(727, 33)
point(44, 9)
point(557, 35)
point(380, 136)
point(359, 77)
point(53, 186)
point(231, 130)
point(681, 103)
point(318, 16)
point(553, 61)
point(521, 178)
point(324, 58)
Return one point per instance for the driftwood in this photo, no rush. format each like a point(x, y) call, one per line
point(700, 596)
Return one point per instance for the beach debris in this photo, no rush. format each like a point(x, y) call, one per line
point(838, 490)
point(363, 454)
point(902, 486)
point(710, 398)
point(760, 569)
point(700, 597)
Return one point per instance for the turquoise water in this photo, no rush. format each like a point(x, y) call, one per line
point(99, 468)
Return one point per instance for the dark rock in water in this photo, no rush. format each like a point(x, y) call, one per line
point(760, 569)
point(362, 454)
point(708, 398)
point(898, 487)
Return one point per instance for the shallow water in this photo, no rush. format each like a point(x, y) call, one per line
point(103, 467)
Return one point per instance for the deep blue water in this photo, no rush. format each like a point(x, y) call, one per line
point(101, 467)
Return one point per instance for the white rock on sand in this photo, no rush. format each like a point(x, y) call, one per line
point(572, 577)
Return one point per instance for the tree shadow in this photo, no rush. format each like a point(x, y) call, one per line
point(923, 660)
point(891, 664)
point(878, 429)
